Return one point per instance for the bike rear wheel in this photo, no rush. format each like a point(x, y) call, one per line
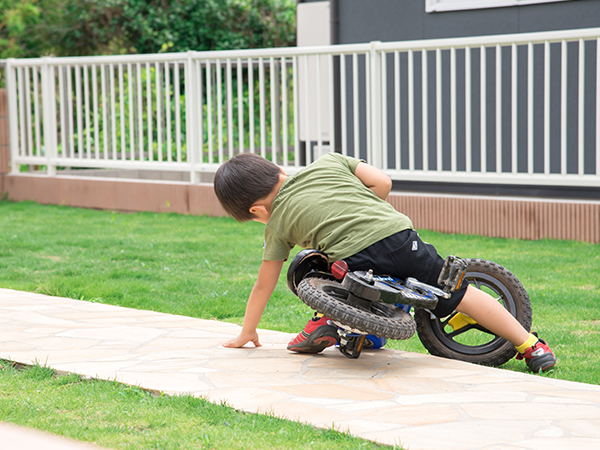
point(472, 342)
point(328, 297)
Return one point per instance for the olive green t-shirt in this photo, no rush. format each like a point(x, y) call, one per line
point(326, 207)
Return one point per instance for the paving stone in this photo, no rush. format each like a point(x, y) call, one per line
point(389, 396)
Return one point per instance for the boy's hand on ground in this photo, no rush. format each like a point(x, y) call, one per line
point(242, 340)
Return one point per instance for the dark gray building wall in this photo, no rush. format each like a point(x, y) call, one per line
point(360, 21)
point(400, 20)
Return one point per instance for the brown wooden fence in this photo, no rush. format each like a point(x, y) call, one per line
point(524, 218)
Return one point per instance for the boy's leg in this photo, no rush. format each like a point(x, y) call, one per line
point(318, 334)
point(489, 313)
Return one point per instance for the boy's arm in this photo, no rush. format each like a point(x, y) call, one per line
point(261, 292)
point(374, 178)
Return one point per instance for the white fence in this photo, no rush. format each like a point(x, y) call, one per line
point(514, 109)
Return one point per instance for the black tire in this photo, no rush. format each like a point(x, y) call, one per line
point(473, 343)
point(383, 320)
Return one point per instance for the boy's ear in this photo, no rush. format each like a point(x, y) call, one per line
point(258, 208)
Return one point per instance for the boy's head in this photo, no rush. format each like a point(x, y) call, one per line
point(242, 181)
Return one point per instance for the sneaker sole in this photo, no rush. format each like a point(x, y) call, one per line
point(544, 363)
point(316, 346)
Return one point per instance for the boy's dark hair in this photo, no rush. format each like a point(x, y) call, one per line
point(242, 181)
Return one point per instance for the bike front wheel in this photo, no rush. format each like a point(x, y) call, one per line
point(465, 340)
point(329, 298)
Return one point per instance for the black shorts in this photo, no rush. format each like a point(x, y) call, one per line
point(404, 255)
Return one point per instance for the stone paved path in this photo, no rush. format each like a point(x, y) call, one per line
point(389, 396)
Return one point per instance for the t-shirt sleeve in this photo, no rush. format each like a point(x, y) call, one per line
point(348, 161)
point(353, 162)
point(276, 247)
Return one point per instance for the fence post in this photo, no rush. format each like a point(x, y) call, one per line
point(13, 125)
point(49, 114)
point(375, 107)
point(4, 148)
point(190, 116)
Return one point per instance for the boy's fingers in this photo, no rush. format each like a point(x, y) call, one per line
point(233, 344)
point(240, 342)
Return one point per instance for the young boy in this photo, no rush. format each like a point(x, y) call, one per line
point(337, 205)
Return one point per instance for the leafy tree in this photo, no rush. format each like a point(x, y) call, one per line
point(16, 18)
point(86, 27)
point(157, 25)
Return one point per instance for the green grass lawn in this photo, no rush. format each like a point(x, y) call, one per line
point(205, 267)
point(125, 417)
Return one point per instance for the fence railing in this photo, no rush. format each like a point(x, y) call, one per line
point(519, 109)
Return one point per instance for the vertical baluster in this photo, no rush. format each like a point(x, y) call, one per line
point(530, 108)
point(397, 97)
point(80, 140)
point(483, 108)
point(24, 124)
point(425, 110)
point(140, 112)
point(498, 108)
point(296, 111)
point(563, 107)
point(61, 95)
point(597, 107)
point(319, 107)
point(219, 109)
point(355, 102)
point(36, 111)
point(468, 149)
point(368, 102)
point(113, 115)
point(122, 113)
point(96, 112)
point(453, 147)
point(149, 112)
point(177, 101)
point(131, 112)
point(30, 125)
point(332, 127)
point(229, 110)
point(274, 110)
point(261, 86)
point(86, 93)
point(438, 108)
point(384, 117)
point(251, 103)
point(200, 103)
point(169, 137)
point(105, 126)
point(514, 105)
point(157, 82)
point(581, 103)
point(411, 111)
point(209, 112)
point(240, 95)
point(343, 106)
point(547, 108)
point(308, 150)
point(284, 110)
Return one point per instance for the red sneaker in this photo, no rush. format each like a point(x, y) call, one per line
point(538, 357)
point(318, 334)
